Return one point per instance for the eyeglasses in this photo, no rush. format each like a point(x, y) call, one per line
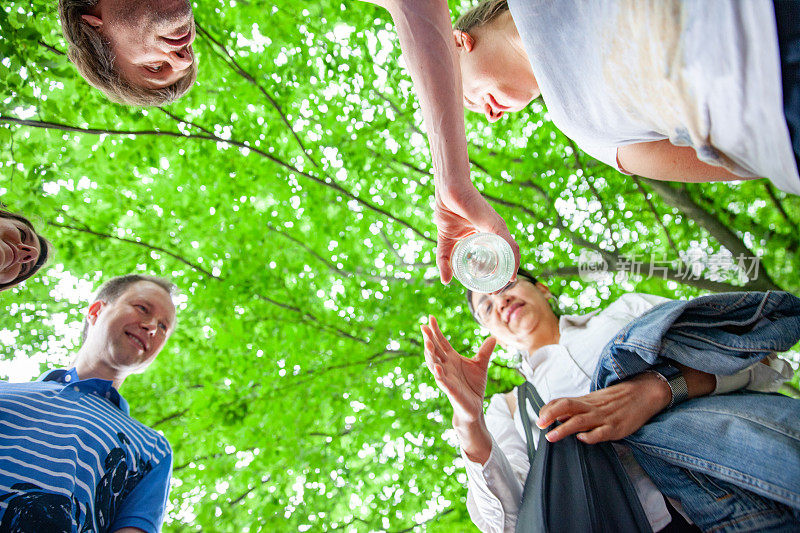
point(484, 306)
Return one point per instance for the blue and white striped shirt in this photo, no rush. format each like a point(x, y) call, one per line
point(73, 460)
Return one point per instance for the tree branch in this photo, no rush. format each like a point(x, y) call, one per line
point(138, 243)
point(415, 526)
point(229, 59)
point(658, 218)
point(308, 316)
point(779, 206)
point(210, 456)
point(333, 268)
point(243, 495)
point(325, 182)
point(185, 121)
point(679, 198)
point(169, 417)
point(52, 48)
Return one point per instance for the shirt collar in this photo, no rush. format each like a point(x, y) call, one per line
point(531, 360)
point(99, 387)
point(575, 321)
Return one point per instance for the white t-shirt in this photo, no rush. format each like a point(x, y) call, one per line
point(565, 370)
point(701, 73)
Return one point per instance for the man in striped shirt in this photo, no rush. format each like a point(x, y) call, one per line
point(71, 457)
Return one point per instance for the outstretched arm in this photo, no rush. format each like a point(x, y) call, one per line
point(617, 411)
point(464, 382)
point(427, 42)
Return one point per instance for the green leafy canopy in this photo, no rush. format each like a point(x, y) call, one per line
point(289, 197)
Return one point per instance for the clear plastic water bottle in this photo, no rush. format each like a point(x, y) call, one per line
point(483, 262)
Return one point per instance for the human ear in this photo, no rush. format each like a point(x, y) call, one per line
point(544, 290)
point(91, 20)
point(463, 40)
point(94, 310)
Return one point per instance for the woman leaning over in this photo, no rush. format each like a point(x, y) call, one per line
point(672, 90)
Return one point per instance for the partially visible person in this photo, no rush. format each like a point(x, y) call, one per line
point(725, 124)
point(559, 356)
point(672, 90)
point(22, 250)
point(136, 52)
point(71, 456)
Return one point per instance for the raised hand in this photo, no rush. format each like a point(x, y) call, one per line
point(461, 210)
point(462, 379)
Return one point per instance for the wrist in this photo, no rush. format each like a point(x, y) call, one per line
point(673, 378)
point(474, 437)
point(466, 422)
point(655, 390)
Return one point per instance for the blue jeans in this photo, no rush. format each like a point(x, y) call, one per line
point(751, 485)
point(733, 461)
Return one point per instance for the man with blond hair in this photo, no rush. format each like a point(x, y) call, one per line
point(71, 456)
point(137, 53)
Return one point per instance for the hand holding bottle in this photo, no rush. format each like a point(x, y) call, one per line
point(458, 212)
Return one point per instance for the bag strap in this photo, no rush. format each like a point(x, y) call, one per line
point(527, 394)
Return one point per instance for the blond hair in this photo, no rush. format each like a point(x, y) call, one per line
point(91, 54)
point(481, 14)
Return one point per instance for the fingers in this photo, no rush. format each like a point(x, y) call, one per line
point(438, 336)
point(515, 249)
point(576, 424)
point(560, 408)
point(599, 434)
point(444, 249)
point(428, 349)
point(485, 352)
point(501, 229)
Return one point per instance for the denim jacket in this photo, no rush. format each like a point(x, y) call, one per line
point(706, 451)
point(718, 334)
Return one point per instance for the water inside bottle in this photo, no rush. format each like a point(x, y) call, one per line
point(481, 262)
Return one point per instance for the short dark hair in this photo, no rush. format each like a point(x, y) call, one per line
point(112, 289)
point(521, 273)
point(43, 253)
point(91, 54)
point(481, 14)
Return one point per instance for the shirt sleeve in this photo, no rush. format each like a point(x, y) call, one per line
point(758, 377)
point(145, 506)
point(605, 152)
point(495, 489)
point(632, 305)
point(770, 377)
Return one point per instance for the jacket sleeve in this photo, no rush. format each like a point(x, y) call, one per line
point(495, 489)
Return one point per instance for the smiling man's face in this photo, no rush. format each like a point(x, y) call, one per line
point(130, 332)
point(518, 317)
point(151, 40)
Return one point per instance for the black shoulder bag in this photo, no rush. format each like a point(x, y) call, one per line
point(573, 486)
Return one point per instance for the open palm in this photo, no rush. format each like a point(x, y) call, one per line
point(462, 379)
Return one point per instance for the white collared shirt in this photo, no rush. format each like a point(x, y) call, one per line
point(565, 370)
point(558, 370)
